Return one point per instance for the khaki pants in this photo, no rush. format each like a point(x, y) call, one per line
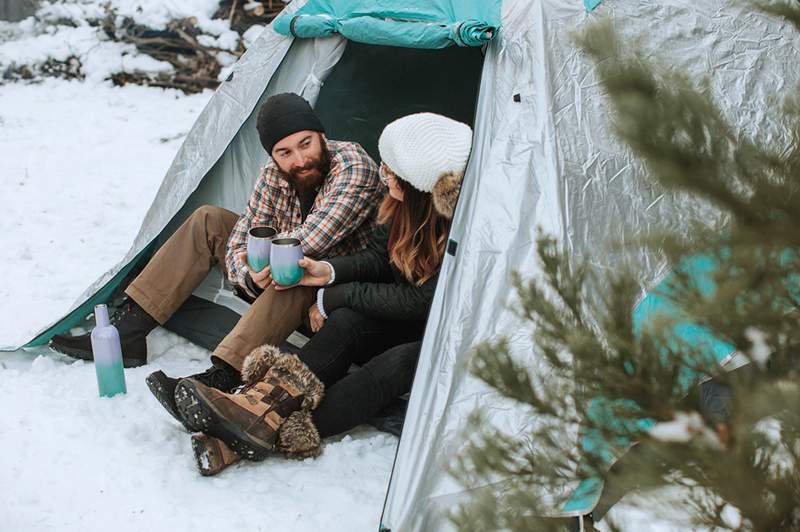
point(184, 261)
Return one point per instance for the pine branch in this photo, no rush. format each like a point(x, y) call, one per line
point(614, 381)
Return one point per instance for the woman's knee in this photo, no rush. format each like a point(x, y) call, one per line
point(393, 370)
point(343, 319)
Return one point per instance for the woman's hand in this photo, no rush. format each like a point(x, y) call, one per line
point(315, 317)
point(315, 273)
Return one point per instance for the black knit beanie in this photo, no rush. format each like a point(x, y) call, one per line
point(282, 115)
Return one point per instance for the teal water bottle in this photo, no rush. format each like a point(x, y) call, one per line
point(107, 352)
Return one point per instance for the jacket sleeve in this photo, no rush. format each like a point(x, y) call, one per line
point(257, 208)
point(371, 264)
point(391, 301)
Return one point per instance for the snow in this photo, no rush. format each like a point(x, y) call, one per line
point(81, 165)
point(759, 350)
point(99, 59)
point(654, 510)
point(251, 34)
point(62, 30)
point(82, 162)
point(79, 462)
point(684, 427)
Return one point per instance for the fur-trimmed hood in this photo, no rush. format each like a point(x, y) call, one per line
point(445, 193)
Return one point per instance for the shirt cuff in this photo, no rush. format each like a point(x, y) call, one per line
point(251, 286)
point(241, 279)
point(241, 273)
point(320, 306)
point(333, 272)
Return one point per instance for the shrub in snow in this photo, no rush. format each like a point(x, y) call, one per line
point(183, 45)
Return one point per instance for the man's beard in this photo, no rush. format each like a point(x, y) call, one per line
point(311, 182)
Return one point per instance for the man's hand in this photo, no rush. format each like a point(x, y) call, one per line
point(261, 279)
point(315, 273)
point(315, 317)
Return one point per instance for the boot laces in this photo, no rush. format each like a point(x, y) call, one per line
point(119, 315)
point(219, 378)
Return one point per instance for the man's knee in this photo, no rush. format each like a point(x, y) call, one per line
point(211, 220)
point(263, 301)
point(272, 304)
point(206, 212)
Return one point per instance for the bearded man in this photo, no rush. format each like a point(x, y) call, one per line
point(321, 191)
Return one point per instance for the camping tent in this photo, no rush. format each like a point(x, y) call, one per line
point(543, 156)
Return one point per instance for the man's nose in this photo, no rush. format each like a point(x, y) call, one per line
point(299, 160)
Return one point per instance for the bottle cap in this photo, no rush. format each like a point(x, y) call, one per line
point(101, 315)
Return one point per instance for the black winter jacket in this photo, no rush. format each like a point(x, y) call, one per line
point(368, 283)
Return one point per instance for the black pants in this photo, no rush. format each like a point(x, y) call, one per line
point(387, 352)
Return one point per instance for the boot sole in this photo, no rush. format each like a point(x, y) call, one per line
point(203, 460)
point(166, 399)
point(89, 357)
point(196, 411)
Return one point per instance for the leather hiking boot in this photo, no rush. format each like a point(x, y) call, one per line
point(246, 421)
point(220, 375)
point(276, 385)
point(212, 454)
point(133, 325)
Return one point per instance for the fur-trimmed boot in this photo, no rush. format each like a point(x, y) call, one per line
point(298, 437)
point(212, 454)
point(276, 385)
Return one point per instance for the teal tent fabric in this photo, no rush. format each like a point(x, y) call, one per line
point(411, 24)
point(104, 295)
point(658, 303)
point(591, 4)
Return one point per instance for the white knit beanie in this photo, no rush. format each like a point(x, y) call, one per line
point(423, 147)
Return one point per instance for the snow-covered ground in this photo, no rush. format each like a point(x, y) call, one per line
point(81, 165)
point(74, 462)
point(82, 162)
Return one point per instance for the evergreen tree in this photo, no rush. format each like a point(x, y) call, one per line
point(608, 378)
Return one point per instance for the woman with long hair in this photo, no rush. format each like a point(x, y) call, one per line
point(370, 311)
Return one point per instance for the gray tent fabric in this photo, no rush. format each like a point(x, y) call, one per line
point(550, 160)
point(218, 161)
point(543, 156)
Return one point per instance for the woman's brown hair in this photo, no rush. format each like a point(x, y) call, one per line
point(418, 233)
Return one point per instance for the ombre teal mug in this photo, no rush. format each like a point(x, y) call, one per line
point(283, 256)
point(259, 240)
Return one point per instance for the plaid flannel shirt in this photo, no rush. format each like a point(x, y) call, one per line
point(340, 221)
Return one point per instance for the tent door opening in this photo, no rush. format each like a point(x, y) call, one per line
point(369, 87)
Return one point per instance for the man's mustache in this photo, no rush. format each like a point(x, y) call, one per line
point(309, 166)
point(315, 164)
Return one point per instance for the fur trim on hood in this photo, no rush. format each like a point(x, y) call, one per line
point(445, 193)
